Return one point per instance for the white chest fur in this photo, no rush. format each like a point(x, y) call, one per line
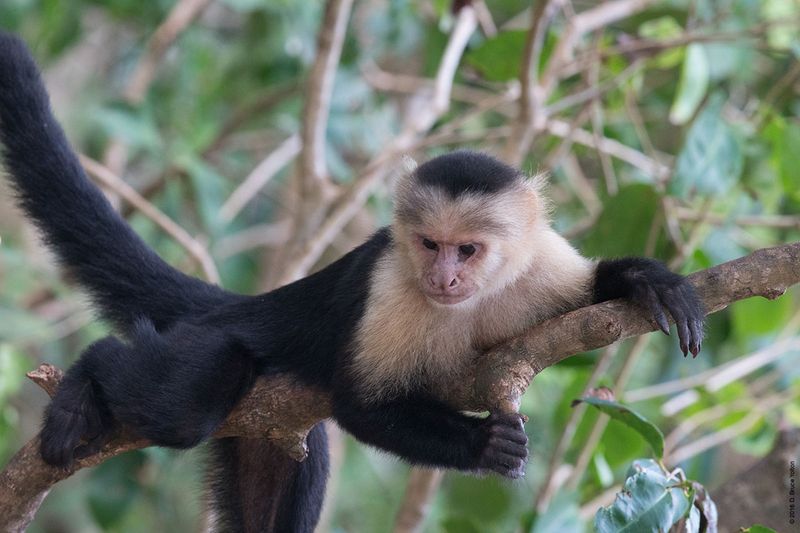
point(404, 341)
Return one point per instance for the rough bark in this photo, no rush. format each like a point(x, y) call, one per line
point(284, 411)
point(761, 494)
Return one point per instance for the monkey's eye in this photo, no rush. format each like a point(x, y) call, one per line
point(429, 244)
point(466, 250)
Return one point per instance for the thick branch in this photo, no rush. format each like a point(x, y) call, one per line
point(284, 411)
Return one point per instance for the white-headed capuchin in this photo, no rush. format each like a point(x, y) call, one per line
point(469, 260)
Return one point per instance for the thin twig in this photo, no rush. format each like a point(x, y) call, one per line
point(403, 83)
point(247, 111)
point(182, 14)
point(598, 126)
point(599, 427)
point(580, 184)
point(465, 25)
point(259, 177)
point(115, 183)
point(551, 482)
point(766, 221)
point(585, 22)
point(612, 147)
point(319, 89)
point(488, 27)
point(421, 487)
point(272, 234)
point(178, 19)
point(646, 47)
point(713, 413)
point(712, 440)
point(530, 118)
point(762, 357)
point(418, 123)
point(594, 91)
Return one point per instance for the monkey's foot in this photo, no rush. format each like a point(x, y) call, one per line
point(72, 430)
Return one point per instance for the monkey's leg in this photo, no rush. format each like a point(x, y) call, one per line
point(173, 388)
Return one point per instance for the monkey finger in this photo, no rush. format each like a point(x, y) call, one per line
point(513, 421)
point(511, 434)
point(696, 328)
point(509, 447)
point(695, 314)
point(675, 305)
point(657, 309)
point(511, 473)
point(504, 463)
point(510, 419)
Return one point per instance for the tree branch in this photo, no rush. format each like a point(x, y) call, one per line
point(120, 187)
point(428, 109)
point(282, 410)
point(319, 90)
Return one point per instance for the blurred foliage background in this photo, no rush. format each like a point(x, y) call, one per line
point(670, 130)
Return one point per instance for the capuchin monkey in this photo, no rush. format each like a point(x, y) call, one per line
point(469, 261)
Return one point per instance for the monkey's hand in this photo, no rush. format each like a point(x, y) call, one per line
point(505, 448)
point(650, 284)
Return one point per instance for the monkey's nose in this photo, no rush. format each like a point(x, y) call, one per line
point(443, 283)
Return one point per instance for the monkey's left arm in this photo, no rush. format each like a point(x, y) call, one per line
point(652, 285)
point(425, 431)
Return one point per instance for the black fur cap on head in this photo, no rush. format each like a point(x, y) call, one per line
point(465, 171)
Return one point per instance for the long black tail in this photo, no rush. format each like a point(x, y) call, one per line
point(125, 278)
point(256, 487)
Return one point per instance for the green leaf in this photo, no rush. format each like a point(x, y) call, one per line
point(758, 529)
point(711, 159)
point(561, 515)
point(633, 420)
point(784, 139)
point(208, 190)
point(759, 316)
point(499, 58)
point(623, 227)
point(12, 371)
point(114, 487)
point(243, 6)
point(134, 127)
point(692, 86)
point(780, 36)
point(646, 503)
point(663, 29)
point(460, 524)
point(479, 500)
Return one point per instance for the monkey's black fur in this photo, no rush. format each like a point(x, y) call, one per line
point(189, 351)
point(465, 171)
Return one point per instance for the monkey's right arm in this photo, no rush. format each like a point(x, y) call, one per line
point(428, 432)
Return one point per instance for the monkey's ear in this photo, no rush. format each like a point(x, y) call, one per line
point(408, 164)
point(402, 179)
point(536, 193)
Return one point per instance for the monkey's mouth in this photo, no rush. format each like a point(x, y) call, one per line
point(448, 299)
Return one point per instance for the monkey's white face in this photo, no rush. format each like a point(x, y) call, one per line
point(448, 269)
point(465, 248)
